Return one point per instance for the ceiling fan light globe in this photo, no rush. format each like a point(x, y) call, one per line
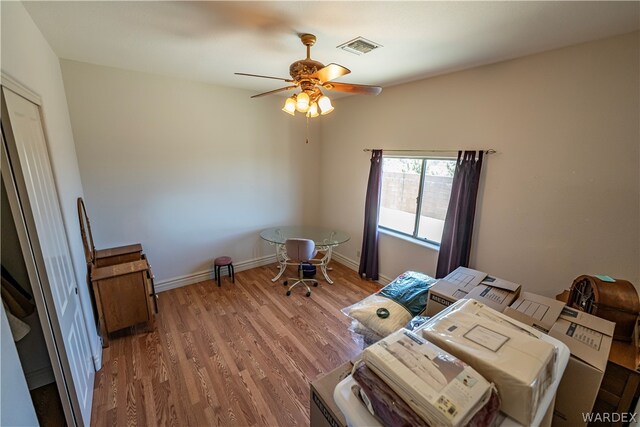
point(325, 105)
point(290, 106)
point(313, 110)
point(302, 102)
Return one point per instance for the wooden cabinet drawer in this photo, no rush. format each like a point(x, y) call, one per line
point(123, 296)
point(124, 300)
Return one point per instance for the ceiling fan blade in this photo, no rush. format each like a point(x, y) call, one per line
point(352, 88)
point(330, 72)
point(282, 89)
point(264, 77)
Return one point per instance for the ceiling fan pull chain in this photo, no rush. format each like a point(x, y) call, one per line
point(307, 130)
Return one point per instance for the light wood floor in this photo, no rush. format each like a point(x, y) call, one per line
point(239, 355)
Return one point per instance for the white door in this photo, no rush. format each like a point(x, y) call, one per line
point(28, 155)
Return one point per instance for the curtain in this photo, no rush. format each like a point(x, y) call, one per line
point(369, 255)
point(458, 225)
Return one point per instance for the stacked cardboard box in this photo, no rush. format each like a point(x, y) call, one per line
point(535, 310)
point(588, 337)
point(589, 340)
point(468, 283)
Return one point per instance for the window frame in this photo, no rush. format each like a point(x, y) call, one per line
point(423, 173)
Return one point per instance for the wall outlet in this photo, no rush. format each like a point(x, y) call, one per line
point(357, 254)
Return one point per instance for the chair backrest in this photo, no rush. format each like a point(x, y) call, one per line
point(300, 249)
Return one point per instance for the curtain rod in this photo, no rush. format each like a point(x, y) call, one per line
point(489, 151)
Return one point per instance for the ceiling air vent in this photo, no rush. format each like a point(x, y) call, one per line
point(359, 46)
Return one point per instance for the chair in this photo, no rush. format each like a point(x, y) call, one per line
point(300, 251)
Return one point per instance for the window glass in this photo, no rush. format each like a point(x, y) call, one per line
point(400, 190)
point(435, 198)
point(415, 196)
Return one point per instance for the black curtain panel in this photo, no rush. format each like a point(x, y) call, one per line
point(458, 225)
point(369, 256)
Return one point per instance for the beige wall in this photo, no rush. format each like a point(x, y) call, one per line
point(561, 197)
point(190, 170)
point(193, 171)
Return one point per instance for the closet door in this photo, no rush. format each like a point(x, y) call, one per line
point(28, 155)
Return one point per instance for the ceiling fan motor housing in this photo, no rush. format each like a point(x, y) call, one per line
point(303, 68)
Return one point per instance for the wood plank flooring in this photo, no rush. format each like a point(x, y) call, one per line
point(239, 355)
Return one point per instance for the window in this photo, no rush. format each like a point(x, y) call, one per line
point(415, 196)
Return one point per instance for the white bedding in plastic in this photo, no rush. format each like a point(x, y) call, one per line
point(520, 365)
point(440, 388)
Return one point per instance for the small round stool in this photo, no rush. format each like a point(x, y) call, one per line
point(223, 261)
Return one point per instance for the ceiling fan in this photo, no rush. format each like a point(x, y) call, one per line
point(310, 76)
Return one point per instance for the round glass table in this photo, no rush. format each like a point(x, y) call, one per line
point(324, 238)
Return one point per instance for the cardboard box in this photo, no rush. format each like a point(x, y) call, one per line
point(444, 293)
point(455, 286)
point(324, 411)
point(589, 340)
point(495, 293)
point(535, 310)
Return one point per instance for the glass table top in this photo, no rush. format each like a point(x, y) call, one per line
point(320, 235)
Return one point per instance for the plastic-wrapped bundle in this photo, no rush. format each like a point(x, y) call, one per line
point(362, 335)
point(393, 306)
point(392, 411)
point(507, 353)
point(383, 402)
point(441, 389)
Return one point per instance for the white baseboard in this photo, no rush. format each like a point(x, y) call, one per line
point(201, 276)
point(384, 280)
point(347, 262)
point(355, 266)
point(39, 377)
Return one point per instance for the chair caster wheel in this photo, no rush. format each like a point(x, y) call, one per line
point(285, 283)
point(288, 293)
point(308, 294)
point(315, 285)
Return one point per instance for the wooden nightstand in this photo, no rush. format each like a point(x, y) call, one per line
point(124, 296)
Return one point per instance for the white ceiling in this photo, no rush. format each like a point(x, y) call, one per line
point(209, 41)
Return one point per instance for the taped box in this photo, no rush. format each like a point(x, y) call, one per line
point(535, 310)
point(589, 340)
point(495, 293)
point(455, 286)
